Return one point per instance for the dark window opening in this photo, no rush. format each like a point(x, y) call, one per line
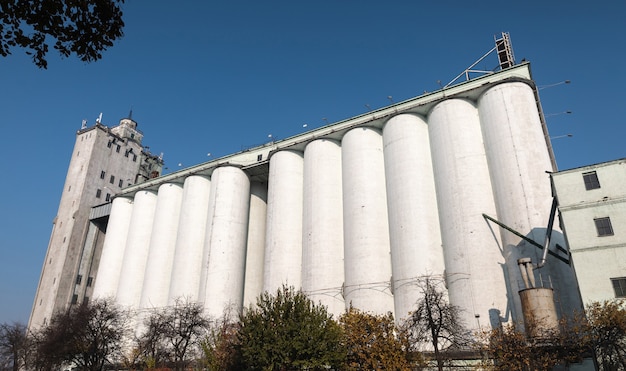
point(98, 193)
point(591, 180)
point(74, 299)
point(603, 226)
point(109, 144)
point(112, 179)
point(79, 279)
point(102, 174)
point(619, 286)
point(89, 281)
point(118, 148)
point(120, 183)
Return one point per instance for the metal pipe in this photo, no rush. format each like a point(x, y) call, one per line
point(546, 242)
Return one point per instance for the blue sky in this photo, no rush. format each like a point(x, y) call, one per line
point(215, 77)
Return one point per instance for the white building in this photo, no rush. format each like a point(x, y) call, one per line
point(592, 205)
point(104, 160)
point(356, 212)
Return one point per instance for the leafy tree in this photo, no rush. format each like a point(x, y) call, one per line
point(373, 342)
point(82, 27)
point(89, 336)
point(607, 321)
point(435, 324)
point(287, 331)
point(174, 333)
point(14, 346)
point(509, 348)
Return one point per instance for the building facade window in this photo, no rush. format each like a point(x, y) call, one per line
point(79, 279)
point(109, 144)
point(619, 286)
point(134, 158)
point(74, 299)
point(98, 193)
point(108, 197)
point(120, 183)
point(89, 281)
point(117, 149)
point(102, 174)
point(126, 154)
point(591, 180)
point(603, 226)
point(112, 179)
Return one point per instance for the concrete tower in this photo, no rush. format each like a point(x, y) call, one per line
point(104, 161)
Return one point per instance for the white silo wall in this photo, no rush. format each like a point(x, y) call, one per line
point(136, 251)
point(322, 230)
point(518, 160)
point(473, 261)
point(185, 283)
point(107, 278)
point(366, 230)
point(226, 241)
point(412, 205)
point(156, 281)
point(283, 246)
point(255, 253)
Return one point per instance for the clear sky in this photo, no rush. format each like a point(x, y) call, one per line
point(217, 76)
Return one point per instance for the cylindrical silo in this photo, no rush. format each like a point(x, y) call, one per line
point(366, 231)
point(226, 241)
point(322, 230)
point(108, 276)
point(412, 205)
point(136, 251)
point(283, 247)
point(185, 282)
point(518, 160)
point(473, 260)
point(156, 281)
point(255, 254)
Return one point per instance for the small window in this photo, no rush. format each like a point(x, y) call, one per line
point(132, 136)
point(120, 183)
point(74, 299)
point(109, 144)
point(89, 281)
point(118, 148)
point(259, 157)
point(79, 279)
point(619, 286)
point(98, 193)
point(591, 180)
point(134, 158)
point(126, 154)
point(108, 197)
point(102, 174)
point(112, 179)
point(603, 226)
point(69, 188)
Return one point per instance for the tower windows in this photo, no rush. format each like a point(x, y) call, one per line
point(102, 174)
point(120, 183)
point(79, 279)
point(108, 197)
point(603, 226)
point(591, 180)
point(109, 144)
point(619, 287)
point(112, 179)
point(117, 149)
point(134, 158)
point(126, 154)
point(98, 193)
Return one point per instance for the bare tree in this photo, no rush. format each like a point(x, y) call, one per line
point(89, 336)
point(14, 346)
point(174, 333)
point(436, 324)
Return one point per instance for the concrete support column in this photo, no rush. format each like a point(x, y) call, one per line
point(522, 190)
point(366, 230)
point(474, 264)
point(162, 244)
point(322, 244)
point(226, 240)
point(283, 247)
point(136, 251)
point(255, 254)
point(412, 203)
point(109, 269)
point(187, 265)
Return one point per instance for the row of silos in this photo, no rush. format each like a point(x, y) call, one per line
point(352, 222)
